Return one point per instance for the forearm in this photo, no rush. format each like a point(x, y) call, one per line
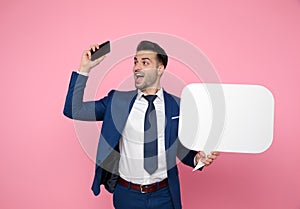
point(186, 155)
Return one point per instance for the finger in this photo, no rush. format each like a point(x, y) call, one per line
point(89, 54)
point(85, 54)
point(93, 48)
point(215, 153)
point(212, 157)
point(209, 160)
point(206, 162)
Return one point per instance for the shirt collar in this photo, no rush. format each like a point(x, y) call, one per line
point(159, 94)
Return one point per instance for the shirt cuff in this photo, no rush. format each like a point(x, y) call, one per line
point(83, 73)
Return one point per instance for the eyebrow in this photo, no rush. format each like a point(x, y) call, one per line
point(144, 58)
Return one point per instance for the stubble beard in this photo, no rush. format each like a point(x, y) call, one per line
point(148, 82)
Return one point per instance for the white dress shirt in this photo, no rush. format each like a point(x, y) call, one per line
point(131, 167)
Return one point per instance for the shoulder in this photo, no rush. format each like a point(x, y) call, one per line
point(170, 98)
point(121, 97)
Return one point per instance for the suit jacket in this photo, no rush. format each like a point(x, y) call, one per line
point(113, 110)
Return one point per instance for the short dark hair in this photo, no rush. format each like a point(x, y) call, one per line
point(151, 46)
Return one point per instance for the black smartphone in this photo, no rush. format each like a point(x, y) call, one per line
point(104, 48)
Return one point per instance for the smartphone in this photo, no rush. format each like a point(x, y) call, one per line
point(104, 48)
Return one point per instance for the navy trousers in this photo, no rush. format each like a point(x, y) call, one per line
point(126, 198)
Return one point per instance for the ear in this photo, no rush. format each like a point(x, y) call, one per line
point(160, 70)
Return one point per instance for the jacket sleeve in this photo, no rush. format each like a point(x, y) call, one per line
point(76, 108)
point(186, 155)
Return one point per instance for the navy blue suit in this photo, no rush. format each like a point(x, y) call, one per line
point(113, 110)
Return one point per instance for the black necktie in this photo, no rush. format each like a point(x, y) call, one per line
point(150, 136)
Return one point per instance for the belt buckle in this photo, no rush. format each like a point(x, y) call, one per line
point(142, 187)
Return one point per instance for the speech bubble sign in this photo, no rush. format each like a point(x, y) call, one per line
point(247, 113)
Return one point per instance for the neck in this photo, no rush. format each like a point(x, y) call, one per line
point(151, 90)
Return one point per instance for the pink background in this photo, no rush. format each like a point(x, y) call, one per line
point(250, 42)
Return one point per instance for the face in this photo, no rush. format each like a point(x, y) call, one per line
point(147, 71)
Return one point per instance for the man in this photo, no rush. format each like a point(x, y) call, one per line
point(138, 145)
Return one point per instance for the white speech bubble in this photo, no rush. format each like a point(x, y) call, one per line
point(246, 113)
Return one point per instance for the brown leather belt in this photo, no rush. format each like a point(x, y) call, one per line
point(144, 188)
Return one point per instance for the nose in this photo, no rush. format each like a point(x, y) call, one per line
point(136, 67)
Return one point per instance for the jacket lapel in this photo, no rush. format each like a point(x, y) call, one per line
point(168, 112)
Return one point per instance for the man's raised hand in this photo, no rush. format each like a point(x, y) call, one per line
point(86, 63)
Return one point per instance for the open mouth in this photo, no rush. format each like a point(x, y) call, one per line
point(138, 77)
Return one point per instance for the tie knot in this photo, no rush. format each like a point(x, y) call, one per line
point(150, 98)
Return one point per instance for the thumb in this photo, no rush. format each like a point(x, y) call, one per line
point(97, 61)
point(202, 154)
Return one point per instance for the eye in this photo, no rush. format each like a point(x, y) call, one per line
point(145, 63)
